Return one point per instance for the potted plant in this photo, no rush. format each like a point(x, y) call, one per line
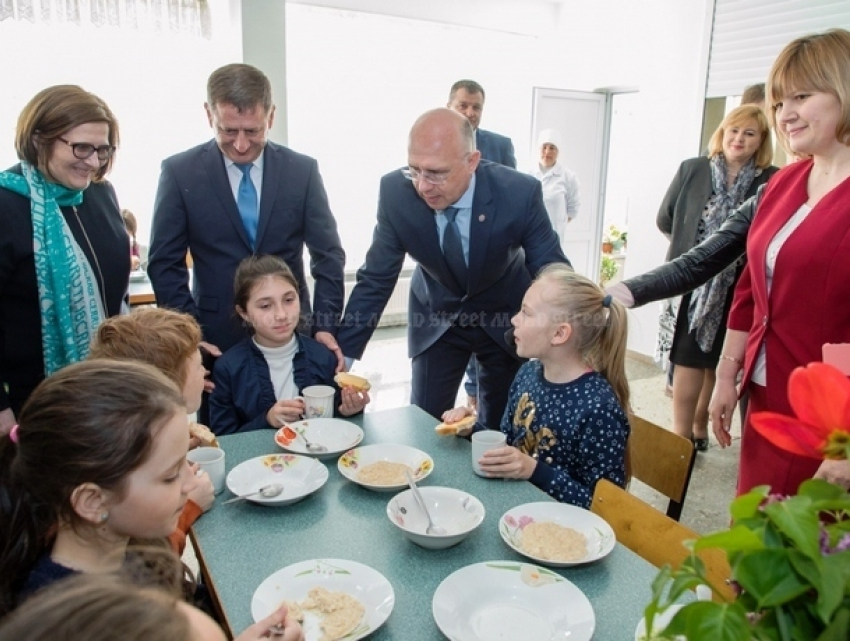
point(614, 239)
point(607, 270)
point(790, 556)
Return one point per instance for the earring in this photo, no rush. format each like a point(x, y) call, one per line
point(104, 517)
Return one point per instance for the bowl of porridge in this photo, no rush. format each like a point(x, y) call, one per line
point(456, 511)
point(381, 467)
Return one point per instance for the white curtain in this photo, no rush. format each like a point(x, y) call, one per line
point(186, 16)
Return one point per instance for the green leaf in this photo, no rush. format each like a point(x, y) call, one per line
point(820, 490)
point(708, 620)
point(839, 628)
point(835, 583)
point(796, 520)
point(747, 504)
point(769, 577)
point(739, 537)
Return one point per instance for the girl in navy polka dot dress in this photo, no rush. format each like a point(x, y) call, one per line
point(565, 420)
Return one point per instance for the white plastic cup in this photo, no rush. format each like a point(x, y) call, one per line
point(482, 442)
point(318, 401)
point(211, 461)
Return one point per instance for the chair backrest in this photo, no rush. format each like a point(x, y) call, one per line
point(663, 460)
point(655, 536)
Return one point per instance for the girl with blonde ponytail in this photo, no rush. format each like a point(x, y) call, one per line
point(565, 421)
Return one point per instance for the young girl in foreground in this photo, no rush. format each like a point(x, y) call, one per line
point(565, 421)
point(102, 606)
point(98, 459)
point(169, 341)
point(257, 380)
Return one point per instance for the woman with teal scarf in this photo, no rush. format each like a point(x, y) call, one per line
point(64, 264)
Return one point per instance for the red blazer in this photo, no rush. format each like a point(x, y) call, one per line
point(809, 303)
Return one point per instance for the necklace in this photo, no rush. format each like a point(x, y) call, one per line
point(99, 276)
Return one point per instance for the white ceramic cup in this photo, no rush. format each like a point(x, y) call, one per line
point(483, 441)
point(318, 401)
point(211, 461)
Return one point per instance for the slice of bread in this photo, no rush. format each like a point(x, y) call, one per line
point(346, 379)
point(444, 429)
point(203, 434)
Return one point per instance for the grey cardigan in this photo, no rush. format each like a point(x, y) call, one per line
point(695, 267)
point(685, 201)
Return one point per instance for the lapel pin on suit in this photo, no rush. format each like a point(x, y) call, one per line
point(481, 218)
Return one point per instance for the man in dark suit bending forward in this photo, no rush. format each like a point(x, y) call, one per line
point(479, 232)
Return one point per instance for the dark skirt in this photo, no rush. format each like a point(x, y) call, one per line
point(685, 350)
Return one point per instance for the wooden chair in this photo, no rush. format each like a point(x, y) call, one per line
point(663, 460)
point(654, 536)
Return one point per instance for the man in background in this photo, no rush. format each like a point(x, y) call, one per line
point(237, 195)
point(754, 95)
point(467, 98)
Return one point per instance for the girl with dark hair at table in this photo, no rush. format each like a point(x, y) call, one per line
point(791, 299)
point(64, 264)
point(169, 341)
point(97, 461)
point(258, 380)
point(565, 420)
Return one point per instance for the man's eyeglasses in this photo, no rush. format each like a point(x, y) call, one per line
point(433, 177)
point(84, 150)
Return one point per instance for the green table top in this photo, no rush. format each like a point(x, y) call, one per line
point(239, 545)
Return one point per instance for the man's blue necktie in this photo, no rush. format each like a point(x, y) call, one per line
point(246, 201)
point(453, 248)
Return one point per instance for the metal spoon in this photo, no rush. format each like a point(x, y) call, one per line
point(268, 492)
point(316, 448)
point(432, 529)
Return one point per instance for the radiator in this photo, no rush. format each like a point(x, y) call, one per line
point(395, 313)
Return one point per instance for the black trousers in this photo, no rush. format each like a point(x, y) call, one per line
point(437, 373)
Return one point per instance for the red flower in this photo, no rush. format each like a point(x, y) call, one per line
point(820, 397)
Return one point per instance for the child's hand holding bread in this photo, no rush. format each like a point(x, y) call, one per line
point(458, 421)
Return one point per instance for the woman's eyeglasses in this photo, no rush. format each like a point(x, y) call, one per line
point(84, 150)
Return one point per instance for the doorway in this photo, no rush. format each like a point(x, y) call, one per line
point(622, 157)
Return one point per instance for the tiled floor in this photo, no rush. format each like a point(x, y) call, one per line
point(712, 487)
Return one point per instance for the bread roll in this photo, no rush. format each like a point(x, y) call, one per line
point(444, 429)
point(203, 434)
point(345, 379)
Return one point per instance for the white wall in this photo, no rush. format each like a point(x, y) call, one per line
point(154, 82)
point(658, 46)
point(661, 47)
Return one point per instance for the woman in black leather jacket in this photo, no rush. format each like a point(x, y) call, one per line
point(695, 267)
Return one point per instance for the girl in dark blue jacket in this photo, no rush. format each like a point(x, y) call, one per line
point(258, 381)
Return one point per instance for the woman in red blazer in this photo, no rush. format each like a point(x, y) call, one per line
point(792, 297)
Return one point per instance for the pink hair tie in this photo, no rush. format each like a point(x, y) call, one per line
point(13, 434)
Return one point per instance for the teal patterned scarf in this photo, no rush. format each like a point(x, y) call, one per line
point(69, 298)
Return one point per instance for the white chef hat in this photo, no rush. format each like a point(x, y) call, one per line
point(551, 136)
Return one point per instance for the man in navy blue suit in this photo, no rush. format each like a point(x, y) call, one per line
point(478, 232)
point(238, 195)
point(467, 97)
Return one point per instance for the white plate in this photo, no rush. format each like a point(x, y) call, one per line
point(600, 537)
point(138, 276)
point(293, 582)
point(350, 463)
point(299, 475)
point(509, 600)
point(661, 621)
point(335, 434)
